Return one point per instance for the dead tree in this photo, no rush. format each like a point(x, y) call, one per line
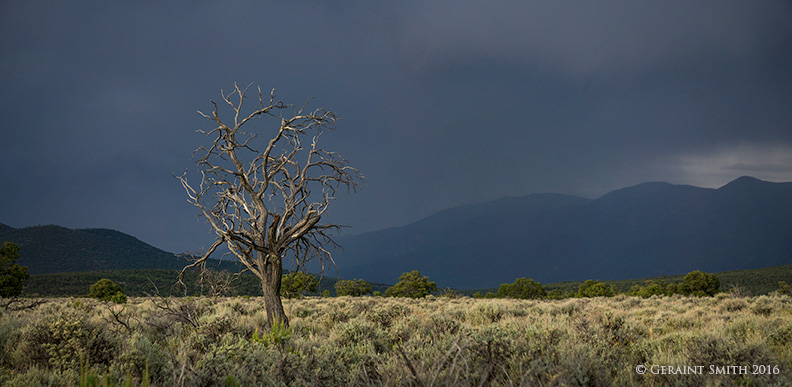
point(265, 199)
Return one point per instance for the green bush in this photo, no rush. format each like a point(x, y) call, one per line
point(107, 290)
point(556, 294)
point(783, 289)
point(595, 288)
point(652, 288)
point(355, 288)
point(522, 288)
point(279, 335)
point(298, 283)
point(412, 285)
point(699, 283)
point(12, 276)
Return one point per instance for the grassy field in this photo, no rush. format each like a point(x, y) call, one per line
point(396, 341)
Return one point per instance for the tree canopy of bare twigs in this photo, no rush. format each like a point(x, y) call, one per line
point(265, 189)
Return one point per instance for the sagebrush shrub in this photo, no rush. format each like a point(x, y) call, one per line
point(385, 314)
point(400, 341)
point(484, 313)
point(62, 341)
point(763, 306)
point(733, 305)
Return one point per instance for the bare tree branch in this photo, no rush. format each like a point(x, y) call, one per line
point(16, 303)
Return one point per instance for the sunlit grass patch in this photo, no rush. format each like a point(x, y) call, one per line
point(398, 341)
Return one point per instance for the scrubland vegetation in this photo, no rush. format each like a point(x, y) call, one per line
point(522, 335)
point(397, 341)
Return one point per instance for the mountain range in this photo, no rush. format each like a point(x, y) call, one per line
point(647, 230)
point(55, 249)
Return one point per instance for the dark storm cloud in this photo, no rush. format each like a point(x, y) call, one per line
point(750, 168)
point(598, 38)
point(443, 103)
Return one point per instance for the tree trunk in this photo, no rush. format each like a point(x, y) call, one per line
point(272, 303)
point(270, 285)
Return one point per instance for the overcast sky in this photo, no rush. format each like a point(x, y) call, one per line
point(443, 103)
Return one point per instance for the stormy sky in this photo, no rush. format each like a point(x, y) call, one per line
point(443, 103)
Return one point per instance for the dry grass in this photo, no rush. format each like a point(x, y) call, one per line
point(393, 341)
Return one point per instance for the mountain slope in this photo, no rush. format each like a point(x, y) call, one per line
point(642, 231)
point(56, 249)
point(647, 230)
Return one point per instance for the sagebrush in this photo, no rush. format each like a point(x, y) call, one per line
point(396, 341)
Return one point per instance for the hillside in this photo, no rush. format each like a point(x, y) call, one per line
point(647, 230)
point(65, 261)
point(56, 249)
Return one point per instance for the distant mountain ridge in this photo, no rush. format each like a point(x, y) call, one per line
point(56, 249)
point(645, 230)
